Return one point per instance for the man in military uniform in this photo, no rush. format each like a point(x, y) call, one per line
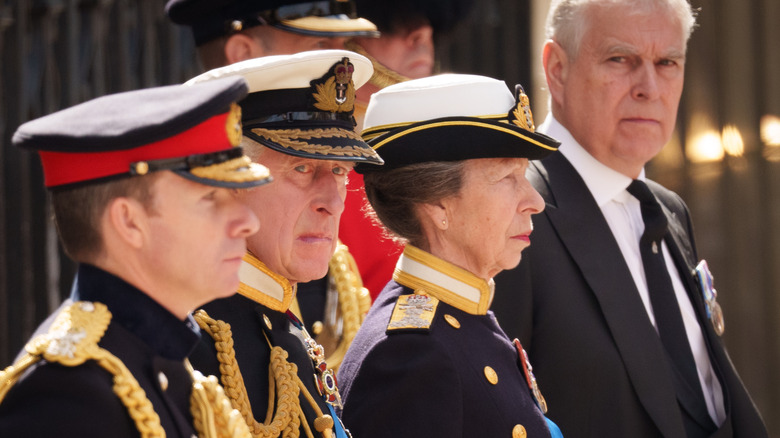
point(141, 187)
point(230, 31)
point(298, 122)
point(333, 306)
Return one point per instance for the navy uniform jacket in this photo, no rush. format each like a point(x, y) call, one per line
point(55, 400)
point(574, 305)
point(247, 318)
point(433, 381)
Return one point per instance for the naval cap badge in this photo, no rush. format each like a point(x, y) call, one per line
point(521, 115)
point(335, 91)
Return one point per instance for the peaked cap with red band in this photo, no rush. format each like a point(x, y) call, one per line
point(192, 131)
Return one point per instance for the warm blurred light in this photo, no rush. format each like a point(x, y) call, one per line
point(705, 147)
point(732, 141)
point(770, 130)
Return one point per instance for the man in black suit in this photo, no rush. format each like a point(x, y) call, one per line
point(585, 301)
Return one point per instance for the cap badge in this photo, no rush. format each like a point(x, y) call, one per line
point(233, 125)
point(335, 92)
point(521, 113)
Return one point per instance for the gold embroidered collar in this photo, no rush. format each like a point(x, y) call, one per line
point(455, 286)
point(260, 284)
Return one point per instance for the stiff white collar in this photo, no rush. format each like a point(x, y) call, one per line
point(260, 284)
point(604, 183)
point(455, 286)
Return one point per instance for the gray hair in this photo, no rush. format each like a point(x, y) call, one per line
point(395, 194)
point(567, 20)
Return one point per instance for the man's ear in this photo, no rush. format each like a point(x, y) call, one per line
point(556, 68)
point(127, 220)
point(240, 47)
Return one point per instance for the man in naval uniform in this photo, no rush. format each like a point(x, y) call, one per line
point(298, 122)
point(229, 31)
point(142, 193)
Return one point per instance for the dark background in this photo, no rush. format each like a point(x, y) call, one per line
point(56, 53)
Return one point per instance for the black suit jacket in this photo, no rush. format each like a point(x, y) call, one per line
point(574, 305)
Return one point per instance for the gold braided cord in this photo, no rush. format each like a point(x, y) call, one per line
point(72, 340)
point(212, 414)
point(10, 375)
point(383, 76)
point(283, 380)
point(354, 300)
point(133, 397)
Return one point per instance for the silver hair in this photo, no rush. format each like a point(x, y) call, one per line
point(567, 20)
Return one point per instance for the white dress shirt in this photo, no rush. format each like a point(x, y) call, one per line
point(623, 215)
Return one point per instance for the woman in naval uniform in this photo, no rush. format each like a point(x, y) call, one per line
point(430, 360)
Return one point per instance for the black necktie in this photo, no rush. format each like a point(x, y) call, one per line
point(666, 309)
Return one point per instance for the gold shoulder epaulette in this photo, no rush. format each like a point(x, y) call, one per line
point(413, 312)
point(72, 340)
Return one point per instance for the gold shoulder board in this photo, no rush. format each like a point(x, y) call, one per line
point(413, 312)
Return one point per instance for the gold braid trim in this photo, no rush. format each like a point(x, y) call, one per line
point(212, 414)
point(383, 76)
point(282, 376)
point(240, 169)
point(354, 300)
point(72, 340)
point(291, 139)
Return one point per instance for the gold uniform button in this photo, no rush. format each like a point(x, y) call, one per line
point(163, 379)
point(267, 322)
point(491, 375)
point(317, 327)
point(519, 431)
point(451, 320)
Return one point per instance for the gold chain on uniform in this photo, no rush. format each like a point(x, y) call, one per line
point(354, 300)
point(282, 379)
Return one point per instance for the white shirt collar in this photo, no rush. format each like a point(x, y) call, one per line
point(604, 183)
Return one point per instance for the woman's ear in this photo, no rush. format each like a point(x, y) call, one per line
point(435, 215)
point(127, 219)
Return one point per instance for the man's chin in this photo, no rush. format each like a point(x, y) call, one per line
point(310, 270)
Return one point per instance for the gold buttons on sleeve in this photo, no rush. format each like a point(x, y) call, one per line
point(519, 431)
point(491, 375)
point(451, 320)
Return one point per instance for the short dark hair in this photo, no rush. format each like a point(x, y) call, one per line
point(395, 194)
point(78, 211)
